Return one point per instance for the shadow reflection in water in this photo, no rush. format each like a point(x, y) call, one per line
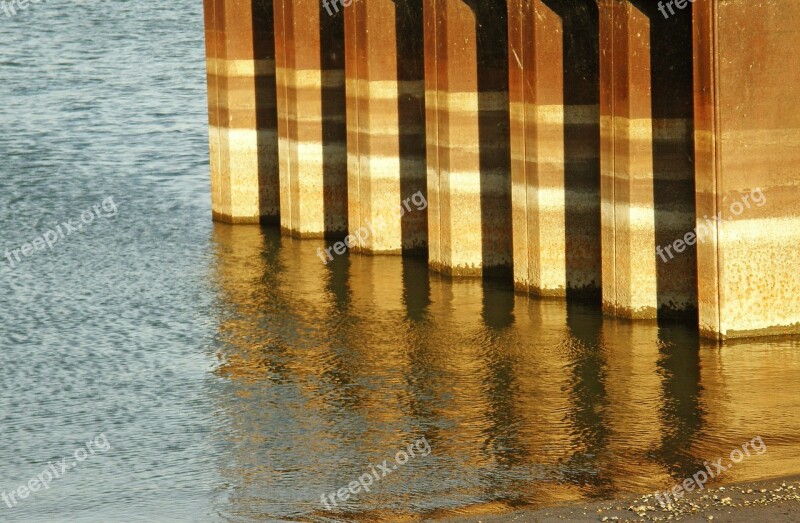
point(331, 369)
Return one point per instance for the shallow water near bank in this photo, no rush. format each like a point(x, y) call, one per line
point(237, 378)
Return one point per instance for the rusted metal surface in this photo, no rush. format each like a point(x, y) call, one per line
point(647, 181)
point(311, 118)
point(555, 145)
point(386, 124)
point(747, 90)
point(466, 92)
point(241, 108)
point(585, 144)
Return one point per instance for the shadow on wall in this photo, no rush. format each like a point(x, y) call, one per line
point(673, 147)
point(334, 124)
point(581, 94)
point(672, 98)
point(266, 113)
point(491, 27)
point(410, 45)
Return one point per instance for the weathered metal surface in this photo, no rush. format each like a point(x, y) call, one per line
point(647, 178)
point(241, 107)
point(311, 118)
point(466, 98)
point(747, 90)
point(555, 145)
point(585, 143)
point(386, 125)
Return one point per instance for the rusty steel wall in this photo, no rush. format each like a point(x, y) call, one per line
point(311, 118)
point(747, 91)
point(241, 110)
point(555, 145)
point(647, 157)
point(386, 125)
point(466, 93)
point(601, 147)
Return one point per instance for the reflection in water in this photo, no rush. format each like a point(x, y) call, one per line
point(681, 410)
point(588, 397)
point(332, 369)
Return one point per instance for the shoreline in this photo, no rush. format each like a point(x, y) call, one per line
point(769, 500)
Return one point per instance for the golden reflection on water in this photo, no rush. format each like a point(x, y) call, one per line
point(330, 369)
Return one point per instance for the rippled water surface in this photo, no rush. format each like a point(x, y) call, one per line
point(236, 378)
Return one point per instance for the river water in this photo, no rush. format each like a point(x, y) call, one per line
point(234, 377)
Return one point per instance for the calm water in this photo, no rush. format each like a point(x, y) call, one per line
point(236, 378)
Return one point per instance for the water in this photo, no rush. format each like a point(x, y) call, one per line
point(236, 378)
